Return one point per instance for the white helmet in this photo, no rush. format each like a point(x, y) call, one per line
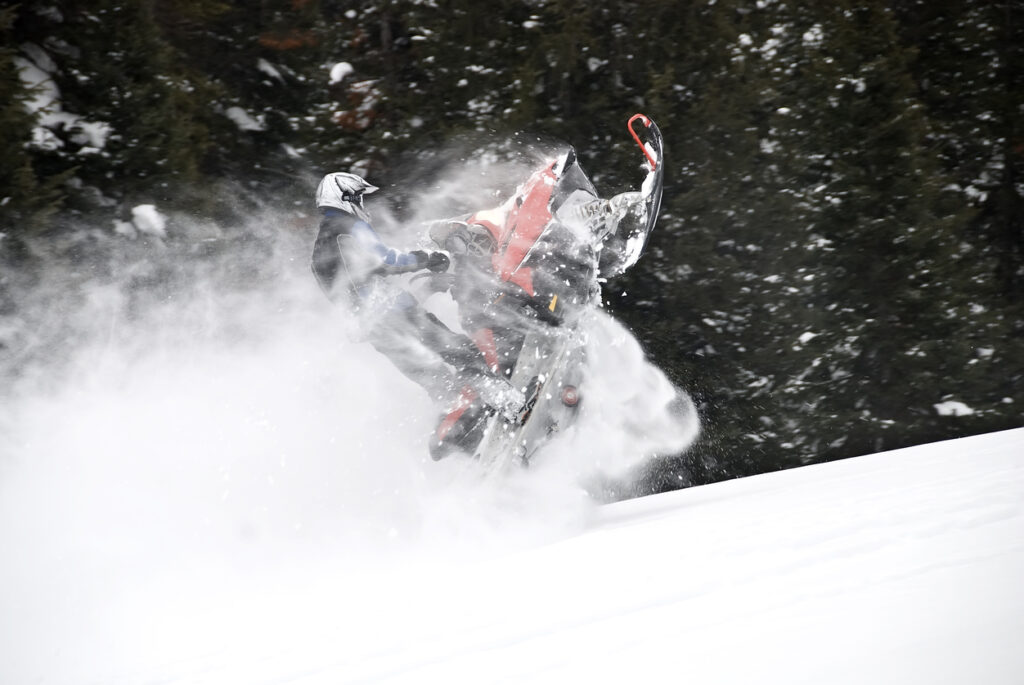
point(342, 191)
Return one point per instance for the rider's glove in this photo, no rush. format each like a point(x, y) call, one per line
point(438, 262)
point(434, 261)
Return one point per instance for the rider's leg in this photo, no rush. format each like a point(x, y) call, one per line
point(438, 359)
point(397, 337)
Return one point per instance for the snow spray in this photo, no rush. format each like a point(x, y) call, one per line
point(194, 421)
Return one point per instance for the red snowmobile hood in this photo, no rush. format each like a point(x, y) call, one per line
point(517, 224)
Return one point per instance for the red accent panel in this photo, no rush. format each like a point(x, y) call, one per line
point(484, 339)
point(527, 222)
point(523, 278)
point(465, 400)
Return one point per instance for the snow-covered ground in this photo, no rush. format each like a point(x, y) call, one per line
point(903, 567)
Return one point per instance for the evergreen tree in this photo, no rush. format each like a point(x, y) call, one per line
point(883, 297)
point(969, 59)
point(708, 297)
point(840, 247)
point(26, 199)
point(129, 119)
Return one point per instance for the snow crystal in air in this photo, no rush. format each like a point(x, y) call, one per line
point(339, 71)
point(149, 221)
point(807, 337)
point(953, 408)
point(244, 120)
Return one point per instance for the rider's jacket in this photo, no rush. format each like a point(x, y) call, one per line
point(349, 256)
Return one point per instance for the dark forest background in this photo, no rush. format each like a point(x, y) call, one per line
point(841, 249)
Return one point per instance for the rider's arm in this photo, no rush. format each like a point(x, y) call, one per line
point(349, 252)
point(393, 261)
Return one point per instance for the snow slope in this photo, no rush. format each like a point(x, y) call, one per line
point(902, 567)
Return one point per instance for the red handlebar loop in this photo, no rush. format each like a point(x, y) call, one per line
point(647, 123)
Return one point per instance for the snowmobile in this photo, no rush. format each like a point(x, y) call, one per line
point(526, 272)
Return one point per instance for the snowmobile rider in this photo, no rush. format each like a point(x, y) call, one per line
point(351, 263)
